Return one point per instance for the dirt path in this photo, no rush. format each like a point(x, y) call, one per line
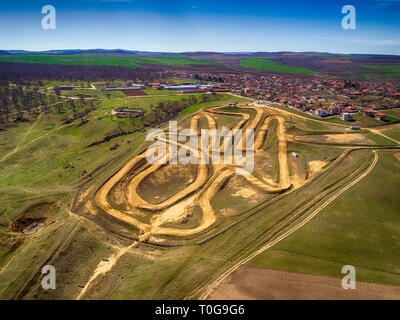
point(173, 208)
point(284, 178)
point(17, 149)
point(270, 244)
point(30, 129)
point(208, 218)
point(105, 266)
point(101, 196)
point(376, 131)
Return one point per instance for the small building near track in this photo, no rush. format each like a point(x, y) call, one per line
point(125, 112)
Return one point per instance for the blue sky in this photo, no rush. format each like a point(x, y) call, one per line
point(224, 26)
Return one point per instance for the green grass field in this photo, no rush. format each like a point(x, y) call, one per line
point(156, 92)
point(59, 165)
point(268, 65)
point(392, 131)
point(54, 168)
point(358, 228)
point(377, 75)
point(92, 93)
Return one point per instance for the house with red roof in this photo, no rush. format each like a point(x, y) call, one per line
point(380, 116)
point(332, 110)
point(321, 112)
point(369, 112)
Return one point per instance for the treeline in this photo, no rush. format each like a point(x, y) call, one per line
point(167, 110)
point(21, 73)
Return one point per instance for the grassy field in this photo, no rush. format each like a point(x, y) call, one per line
point(377, 75)
point(268, 65)
point(53, 168)
point(180, 270)
point(151, 272)
point(359, 228)
point(180, 80)
point(392, 131)
point(156, 92)
point(99, 60)
point(92, 93)
point(59, 165)
point(389, 71)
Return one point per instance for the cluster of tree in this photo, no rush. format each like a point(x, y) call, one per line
point(17, 103)
point(169, 109)
point(209, 77)
point(76, 109)
point(21, 73)
point(16, 100)
point(351, 84)
point(161, 112)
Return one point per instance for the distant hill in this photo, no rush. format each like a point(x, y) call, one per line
point(375, 66)
point(196, 53)
point(77, 51)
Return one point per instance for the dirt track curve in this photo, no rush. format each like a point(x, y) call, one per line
point(206, 184)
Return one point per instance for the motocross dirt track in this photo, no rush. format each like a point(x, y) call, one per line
point(209, 179)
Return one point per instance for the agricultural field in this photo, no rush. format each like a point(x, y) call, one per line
point(376, 71)
point(268, 65)
point(103, 60)
point(300, 64)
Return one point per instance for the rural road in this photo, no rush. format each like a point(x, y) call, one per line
point(19, 148)
point(105, 266)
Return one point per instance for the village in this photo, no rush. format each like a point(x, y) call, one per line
point(359, 102)
point(318, 97)
point(315, 96)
